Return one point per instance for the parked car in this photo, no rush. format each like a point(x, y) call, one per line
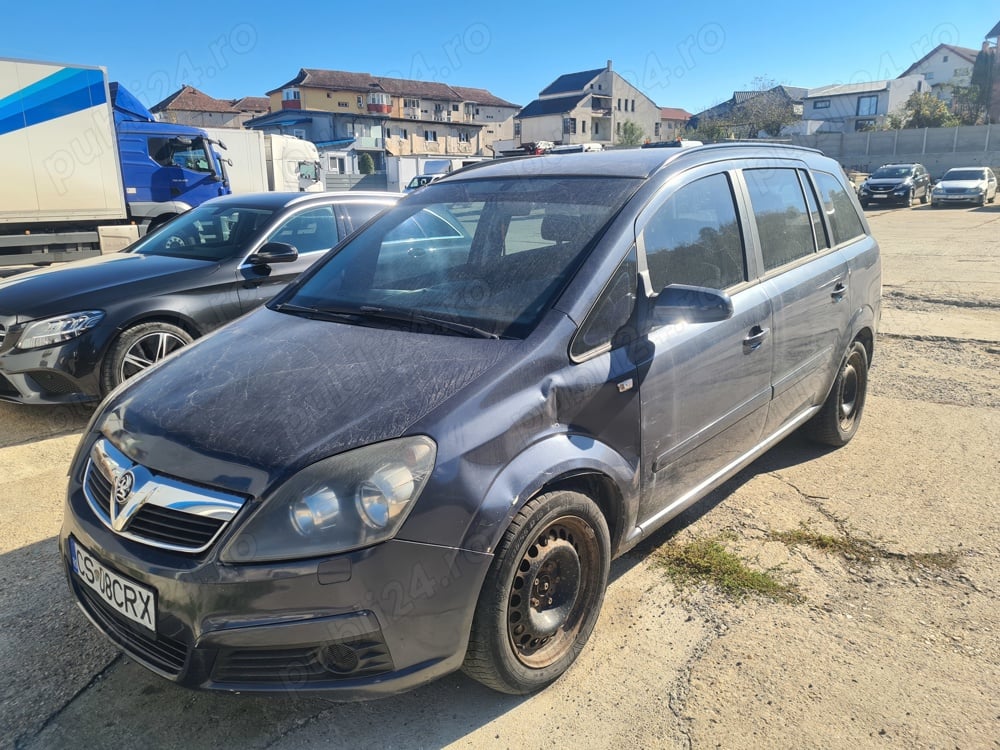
point(976, 185)
point(896, 183)
point(408, 463)
point(73, 332)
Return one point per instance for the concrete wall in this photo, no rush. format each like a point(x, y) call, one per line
point(356, 181)
point(938, 149)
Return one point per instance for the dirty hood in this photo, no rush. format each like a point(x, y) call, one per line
point(272, 393)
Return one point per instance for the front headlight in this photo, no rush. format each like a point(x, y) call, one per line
point(50, 331)
point(341, 503)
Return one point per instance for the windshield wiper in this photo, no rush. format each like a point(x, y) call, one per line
point(392, 315)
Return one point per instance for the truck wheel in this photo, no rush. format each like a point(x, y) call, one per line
point(838, 419)
point(542, 595)
point(139, 347)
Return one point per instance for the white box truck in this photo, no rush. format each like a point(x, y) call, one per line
point(256, 161)
point(83, 159)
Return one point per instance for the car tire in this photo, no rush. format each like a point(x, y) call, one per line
point(557, 547)
point(838, 419)
point(908, 202)
point(924, 197)
point(139, 347)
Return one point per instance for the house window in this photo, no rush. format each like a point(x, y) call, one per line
point(431, 136)
point(619, 105)
point(291, 95)
point(821, 104)
point(404, 133)
point(569, 125)
point(583, 126)
point(597, 127)
point(345, 105)
point(463, 136)
point(411, 103)
point(867, 105)
point(944, 59)
point(618, 128)
point(862, 126)
point(299, 133)
point(454, 108)
point(633, 105)
point(656, 129)
point(929, 76)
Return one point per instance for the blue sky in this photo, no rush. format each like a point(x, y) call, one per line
point(691, 56)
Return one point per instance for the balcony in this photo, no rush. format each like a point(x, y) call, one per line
point(367, 142)
point(379, 103)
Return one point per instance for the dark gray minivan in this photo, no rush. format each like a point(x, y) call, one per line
point(424, 454)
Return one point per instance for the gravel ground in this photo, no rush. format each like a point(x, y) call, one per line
point(896, 648)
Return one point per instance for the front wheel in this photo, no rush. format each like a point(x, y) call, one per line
point(139, 347)
point(924, 196)
point(542, 595)
point(838, 419)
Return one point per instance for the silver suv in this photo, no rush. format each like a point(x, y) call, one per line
point(424, 454)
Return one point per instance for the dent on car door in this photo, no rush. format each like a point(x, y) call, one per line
point(807, 282)
point(311, 232)
point(705, 388)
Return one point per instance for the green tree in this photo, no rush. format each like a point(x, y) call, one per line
point(923, 110)
point(366, 165)
point(630, 134)
point(768, 110)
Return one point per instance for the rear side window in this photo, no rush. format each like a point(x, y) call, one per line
point(840, 211)
point(694, 237)
point(779, 208)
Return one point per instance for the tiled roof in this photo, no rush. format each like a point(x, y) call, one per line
point(994, 32)
point(190, 99)
point(559, 105)
point(342, 80)
point(571, 82)
point(251, 104)
point(482, 97)
point(673, 113)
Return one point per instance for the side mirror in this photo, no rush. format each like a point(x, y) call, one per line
point(274, 252)
point(679, 303)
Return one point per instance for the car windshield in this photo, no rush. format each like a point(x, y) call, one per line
point(890, 172)
point(483, 257)
point(965, 174)
point(207, 232)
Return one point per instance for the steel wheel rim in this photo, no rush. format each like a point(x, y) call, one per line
point(554, 586)
point(850, 393)
point(146, 351)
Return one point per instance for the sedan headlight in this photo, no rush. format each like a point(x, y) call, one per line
point(341, 503)
point(50, 331)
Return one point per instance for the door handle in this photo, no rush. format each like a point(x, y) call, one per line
point(755, 338)
point(839, 291)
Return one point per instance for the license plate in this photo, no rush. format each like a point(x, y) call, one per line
point(122, 594)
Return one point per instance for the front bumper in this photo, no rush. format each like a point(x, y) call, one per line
point(65, 373)
point(957, 198)
point(359, 625)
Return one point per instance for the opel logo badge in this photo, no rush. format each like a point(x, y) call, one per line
point(123, 488)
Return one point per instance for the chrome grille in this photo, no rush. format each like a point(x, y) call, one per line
point(154, 509)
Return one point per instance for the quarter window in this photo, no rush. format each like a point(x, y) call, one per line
point(843, 217)
point(612, 312)
point(779, 208)
point(694, 237)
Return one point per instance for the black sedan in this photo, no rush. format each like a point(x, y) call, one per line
point(72, 333)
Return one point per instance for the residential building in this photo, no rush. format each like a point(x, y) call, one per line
point(347, 113)
point(849, 107)
point(943, 67)
point(584, 107)
point(673, 122)
point(189, 106)
point(753, 113)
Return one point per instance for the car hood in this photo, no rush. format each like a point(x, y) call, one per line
point(272, 393)
point(88, 284)
point(961, 184)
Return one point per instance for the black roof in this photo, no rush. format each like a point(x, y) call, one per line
point(571, 82)
point(557, 106)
